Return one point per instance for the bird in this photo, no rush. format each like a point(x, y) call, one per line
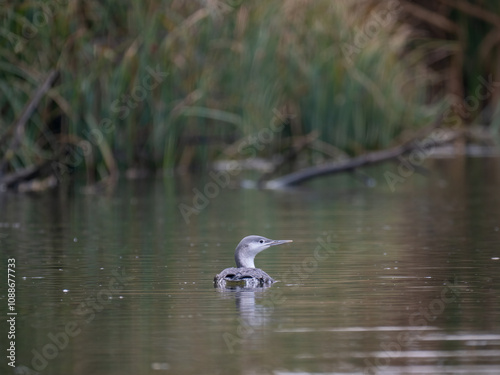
point(245, 272)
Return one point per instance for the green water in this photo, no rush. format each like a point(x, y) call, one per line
point(401, 281)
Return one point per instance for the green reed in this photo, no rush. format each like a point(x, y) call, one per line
point(160, 84)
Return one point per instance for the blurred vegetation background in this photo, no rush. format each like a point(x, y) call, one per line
point(109, 86)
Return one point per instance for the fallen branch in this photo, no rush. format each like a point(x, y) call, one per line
point(359, 161)
point(14, 178)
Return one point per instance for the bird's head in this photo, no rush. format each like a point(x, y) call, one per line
point(250, 246)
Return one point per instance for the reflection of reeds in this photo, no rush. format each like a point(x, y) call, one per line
point(228, 69)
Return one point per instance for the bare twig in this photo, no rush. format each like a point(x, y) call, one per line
point(431, 17)
point(474, 10)
point(18, 126)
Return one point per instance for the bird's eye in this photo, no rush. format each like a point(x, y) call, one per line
point(261, 241)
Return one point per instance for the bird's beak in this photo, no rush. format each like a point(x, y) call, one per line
point(279, 242)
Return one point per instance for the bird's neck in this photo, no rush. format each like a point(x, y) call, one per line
point(243, 260)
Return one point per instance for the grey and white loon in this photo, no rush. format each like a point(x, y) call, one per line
point(244, 256)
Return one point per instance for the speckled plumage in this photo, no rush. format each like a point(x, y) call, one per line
point(245, 271)
point(249, 275)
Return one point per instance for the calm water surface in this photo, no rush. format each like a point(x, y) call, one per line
point(376, 281)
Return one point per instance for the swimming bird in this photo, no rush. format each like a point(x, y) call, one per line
point(245, 270)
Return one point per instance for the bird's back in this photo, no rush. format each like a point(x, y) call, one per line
point(250, 276)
